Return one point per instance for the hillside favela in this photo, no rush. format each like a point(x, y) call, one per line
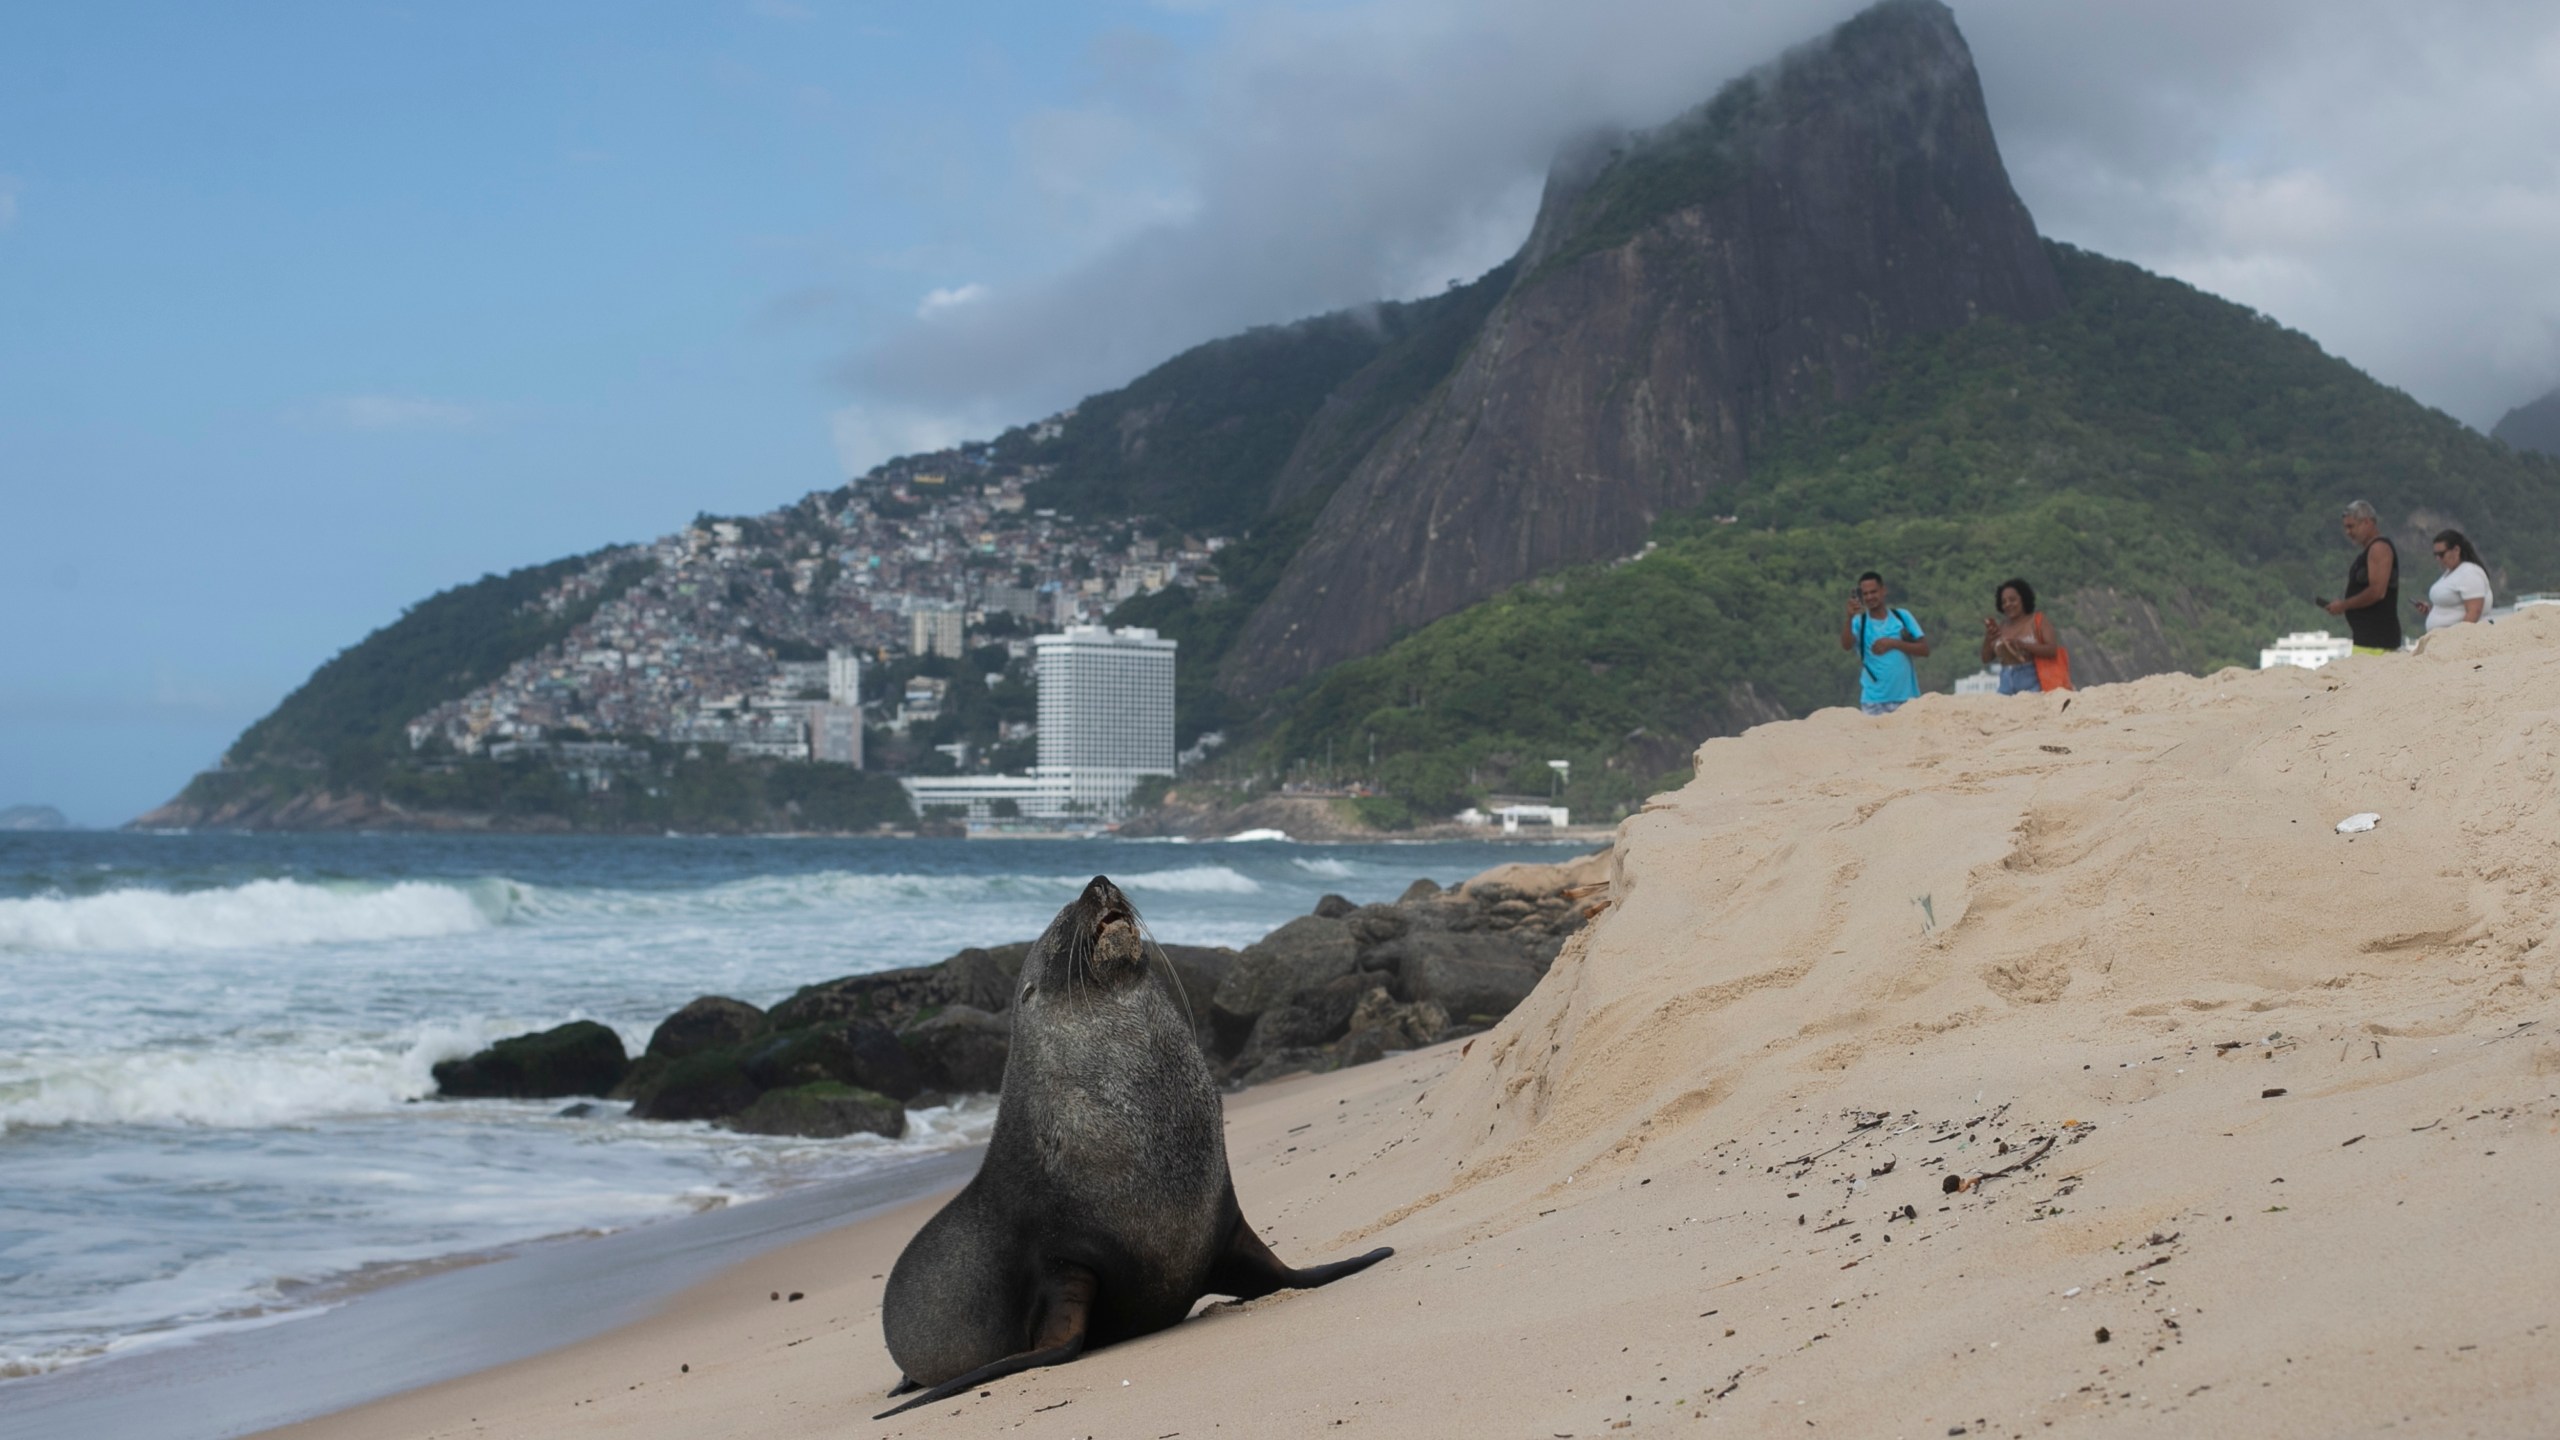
point(1694, 719)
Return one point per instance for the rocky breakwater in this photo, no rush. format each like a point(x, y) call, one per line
point(1344, 985)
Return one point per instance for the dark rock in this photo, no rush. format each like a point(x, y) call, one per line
point(821, 1110)
point(986, 979)
point(1377, 924)
point(1300, 955)
point(579, 1058)
point(1683, 294)
point(1201, 969)
point(861, 1053)
point(1422, 889)
point(703, 1024)
point(1396, 1024)
point(1334, 907)
point(983, 978)
point(1306, 1020)
point(579, 1111)
point(959, 1048)
point(706, 1085)
point(1477, 978)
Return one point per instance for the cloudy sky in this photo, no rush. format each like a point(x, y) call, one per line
point(307, 310)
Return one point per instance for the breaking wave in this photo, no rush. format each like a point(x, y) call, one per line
point(839, 890)
point(231, 1088)
point(257, 913)
point(268, 913)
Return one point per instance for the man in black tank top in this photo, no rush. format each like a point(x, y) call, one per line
point(2372, 603)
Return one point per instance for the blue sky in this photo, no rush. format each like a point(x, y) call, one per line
point(307, 311)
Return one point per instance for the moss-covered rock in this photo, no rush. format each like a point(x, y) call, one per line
point(822, 1110)
point(579, 1058)
point(705, 1023)
point(960, 1048)
point(864, 1054)
point(707, 1085)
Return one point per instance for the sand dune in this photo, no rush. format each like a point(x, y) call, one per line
point(2270, 1116)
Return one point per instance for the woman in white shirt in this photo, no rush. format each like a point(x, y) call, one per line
point(2461, 593)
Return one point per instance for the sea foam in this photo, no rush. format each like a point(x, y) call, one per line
point(238, 1088)
point(247, 916)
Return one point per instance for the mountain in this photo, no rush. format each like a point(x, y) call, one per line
point(1596, 505)
point(2534, 425)
point(1681, 292)
point(2166, 467)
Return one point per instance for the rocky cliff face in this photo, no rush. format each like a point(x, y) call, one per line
point(1681, 290)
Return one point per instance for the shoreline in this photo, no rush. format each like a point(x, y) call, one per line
point(467, 1317)
point(1997, 1069)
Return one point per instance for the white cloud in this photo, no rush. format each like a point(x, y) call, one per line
point(2376, 174)
point(390, 412)
point(937, 301)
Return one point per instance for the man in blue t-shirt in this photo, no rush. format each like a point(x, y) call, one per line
point(1885, 638)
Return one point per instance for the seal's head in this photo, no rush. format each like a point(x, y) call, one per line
point(1094, 946)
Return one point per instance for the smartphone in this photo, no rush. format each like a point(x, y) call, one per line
point(2320, 600)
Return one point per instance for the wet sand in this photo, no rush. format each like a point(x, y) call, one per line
point(461, 1319)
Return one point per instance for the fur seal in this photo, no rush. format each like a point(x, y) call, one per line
point(1104, 1209)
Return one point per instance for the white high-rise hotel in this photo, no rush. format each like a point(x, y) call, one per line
point(1106, 721)
point(1106, 712)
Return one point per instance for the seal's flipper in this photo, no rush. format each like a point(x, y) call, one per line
point(903, 1386)
point(1066, 1307)
point(1249, 1270)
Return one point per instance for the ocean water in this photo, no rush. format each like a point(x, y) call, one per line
point(214, 1090)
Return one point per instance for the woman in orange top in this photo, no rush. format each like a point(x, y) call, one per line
point(2023, 643)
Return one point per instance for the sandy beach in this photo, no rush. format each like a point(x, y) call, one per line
point(2004, 1066)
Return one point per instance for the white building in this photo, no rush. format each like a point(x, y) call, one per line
point(835, 733)
point(936, 630)
point(1985, 681)
point(1106, 712)
point(2309, 649)
point(844, 677)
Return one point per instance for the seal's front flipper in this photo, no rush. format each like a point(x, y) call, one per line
point(1066, 1306)
point(1249, 1270)
point(904, 1385)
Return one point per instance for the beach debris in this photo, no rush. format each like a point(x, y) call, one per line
point(1928, 913)
point(2359, 823)
point(2271, 1092)
point(2055, 749)
point(2103, 1336)
point(2350, 1140)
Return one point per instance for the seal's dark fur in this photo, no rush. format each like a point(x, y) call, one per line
point(1104, 1209)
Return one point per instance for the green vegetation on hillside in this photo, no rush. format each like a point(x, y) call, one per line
point(1436, 334)
point(1688, 162)
point(349, 716)
point(1197, 441)
point(2167, 467)
point(1201, 441)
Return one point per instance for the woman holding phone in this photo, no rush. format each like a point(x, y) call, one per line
point(2461, 594)
point(2023, 644)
